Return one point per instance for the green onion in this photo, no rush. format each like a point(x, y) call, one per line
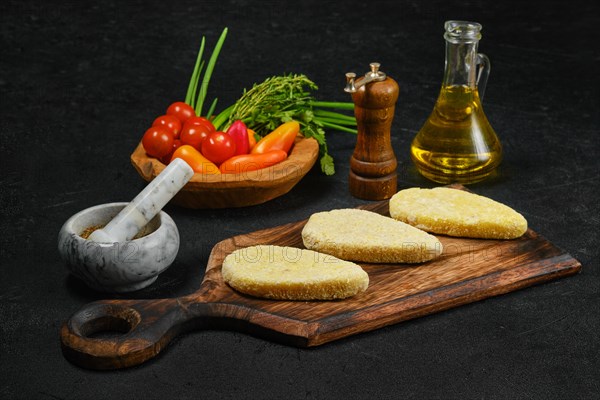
point(212, 108)
point(335, 120)
point(208, 73)
point(191, 92)
point(193, 104)
point(223, 116)
point(330, 104)
point(337, 127)
point(336, 115)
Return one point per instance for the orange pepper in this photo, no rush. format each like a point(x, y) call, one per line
point(199, 163)
point(281, 138)
point(251, 139)
point(252, 162)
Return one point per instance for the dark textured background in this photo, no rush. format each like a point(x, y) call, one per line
point(81, 81)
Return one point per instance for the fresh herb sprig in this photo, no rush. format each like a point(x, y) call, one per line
point(284, 98)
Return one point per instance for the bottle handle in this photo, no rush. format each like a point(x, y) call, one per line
point(483, 63)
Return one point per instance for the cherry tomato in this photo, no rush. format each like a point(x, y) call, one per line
point(201, 120)
point(181, 110)
point(158, 141)
point(194, 134)
point(197, 161)
point(281, 138)
point(167, 159)
point(171, 122)
point(251, 162)
point(218, 147)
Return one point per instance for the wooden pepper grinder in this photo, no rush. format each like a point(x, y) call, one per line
point(373, 164)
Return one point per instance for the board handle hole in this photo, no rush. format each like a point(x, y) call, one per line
point(112, 322)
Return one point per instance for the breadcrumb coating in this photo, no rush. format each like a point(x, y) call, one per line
point(288, 273)
point(455, 212)
point(361, 235)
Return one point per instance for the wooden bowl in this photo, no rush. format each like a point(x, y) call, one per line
point(236, 190)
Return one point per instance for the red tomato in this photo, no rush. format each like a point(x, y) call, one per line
point(171, 122)
point(194, 134)
point(218, 147)
point(158, 141)
point(167, 159)
point(181, 110)
point(201, 121)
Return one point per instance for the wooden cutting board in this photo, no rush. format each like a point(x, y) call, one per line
point(469, 270)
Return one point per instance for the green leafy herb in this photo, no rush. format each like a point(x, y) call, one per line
point(284, 98)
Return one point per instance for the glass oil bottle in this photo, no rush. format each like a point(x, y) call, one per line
point(457, 143)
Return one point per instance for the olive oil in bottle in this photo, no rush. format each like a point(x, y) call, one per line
point(457, 143)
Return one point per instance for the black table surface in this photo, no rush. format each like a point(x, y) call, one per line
point(81, 81)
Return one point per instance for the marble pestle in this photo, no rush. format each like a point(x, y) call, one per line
point(146, 204)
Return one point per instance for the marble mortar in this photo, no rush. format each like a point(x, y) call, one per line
point(122, 266)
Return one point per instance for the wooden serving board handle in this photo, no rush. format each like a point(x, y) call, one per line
point(140, 329)
point(146, 326)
